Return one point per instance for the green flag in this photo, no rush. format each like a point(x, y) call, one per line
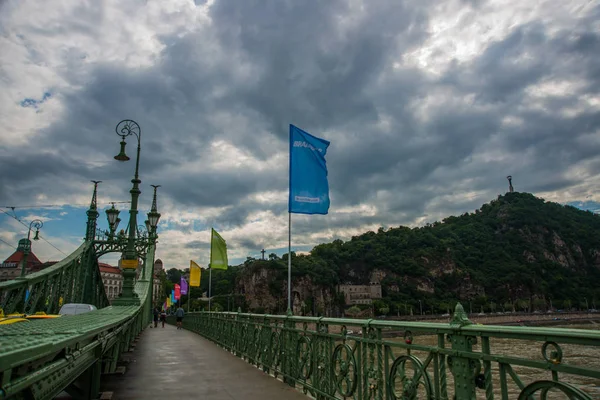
point(218, 251)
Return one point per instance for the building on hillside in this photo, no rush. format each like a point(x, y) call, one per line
point(360, 294)
point(112, 280)
point(11, 267)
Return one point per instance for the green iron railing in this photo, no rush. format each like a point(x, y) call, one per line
point(331, 358)
point(76, 279)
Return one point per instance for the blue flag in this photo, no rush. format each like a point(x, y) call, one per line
point(26, 295)
point(173, 301)
point(309, 189)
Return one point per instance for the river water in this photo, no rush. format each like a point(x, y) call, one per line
point(576, 355)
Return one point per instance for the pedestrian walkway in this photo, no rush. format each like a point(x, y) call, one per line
point(177, 364)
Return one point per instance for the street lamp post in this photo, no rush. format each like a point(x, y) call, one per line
point(151, 224)
point(37, 224)
point(421, 307)
point(129, 258)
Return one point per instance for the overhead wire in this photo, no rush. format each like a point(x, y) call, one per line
point(27, 226)
point(6, 243)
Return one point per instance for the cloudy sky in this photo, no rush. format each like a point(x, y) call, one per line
point(428, 106)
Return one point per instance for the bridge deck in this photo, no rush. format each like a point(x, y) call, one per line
point(177, 364)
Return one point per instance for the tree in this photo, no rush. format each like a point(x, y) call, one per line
point(222, 287)
point(523, 304)
point(380, 305)
point(174, 275)
point(539, 304)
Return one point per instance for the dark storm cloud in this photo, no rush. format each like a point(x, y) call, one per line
point(312, 70)
point(248, 243)
point(338, 73)
point(34, 171)
point(197, 244)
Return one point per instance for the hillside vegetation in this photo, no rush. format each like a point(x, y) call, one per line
point(517, 251)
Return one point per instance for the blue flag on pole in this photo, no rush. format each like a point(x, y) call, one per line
point(309, 188)
point(27, 295)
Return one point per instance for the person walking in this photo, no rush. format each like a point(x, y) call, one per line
point(179, 315)
point(163, 317)
point(156, 314)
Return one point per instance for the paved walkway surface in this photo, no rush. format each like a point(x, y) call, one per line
point(177, 364)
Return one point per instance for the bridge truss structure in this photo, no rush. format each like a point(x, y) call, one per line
point(42, 358)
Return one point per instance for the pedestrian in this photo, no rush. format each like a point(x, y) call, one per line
point(163, 317)
point(179, 314)
point(156, 313)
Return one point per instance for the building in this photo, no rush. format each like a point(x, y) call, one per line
point(158, 266)
point(157, 295)
point(360, 294)
point(112, 280)
point(11, 267)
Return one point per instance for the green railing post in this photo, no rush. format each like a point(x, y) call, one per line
point(463, 369)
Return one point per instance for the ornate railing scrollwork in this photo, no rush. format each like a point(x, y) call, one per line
point(331, 358)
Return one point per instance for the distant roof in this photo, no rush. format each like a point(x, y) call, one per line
point(108, 268)
point(17, 256)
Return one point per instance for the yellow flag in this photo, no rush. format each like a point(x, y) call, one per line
point(195, 274)
point(168, 302)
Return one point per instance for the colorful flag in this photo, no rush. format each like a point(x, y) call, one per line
point(173, 301)
point(184, 286)
point(164, 306)
point(218, 251)
point(195, 274)
point(177, 292)
point(309, 188)
point(26, 295)
point(168, 302)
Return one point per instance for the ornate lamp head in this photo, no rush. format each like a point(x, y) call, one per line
point(125, 128)
point(37, 224)
point(122, 156)
point(153, 218)
point(112, 214)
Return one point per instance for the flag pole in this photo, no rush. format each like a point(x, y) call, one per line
point(290, 263)
point(209, 287)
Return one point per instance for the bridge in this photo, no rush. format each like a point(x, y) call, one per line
point(319, 357)
point(291, 356)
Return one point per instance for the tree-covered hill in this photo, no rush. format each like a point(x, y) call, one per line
point(517, 251)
